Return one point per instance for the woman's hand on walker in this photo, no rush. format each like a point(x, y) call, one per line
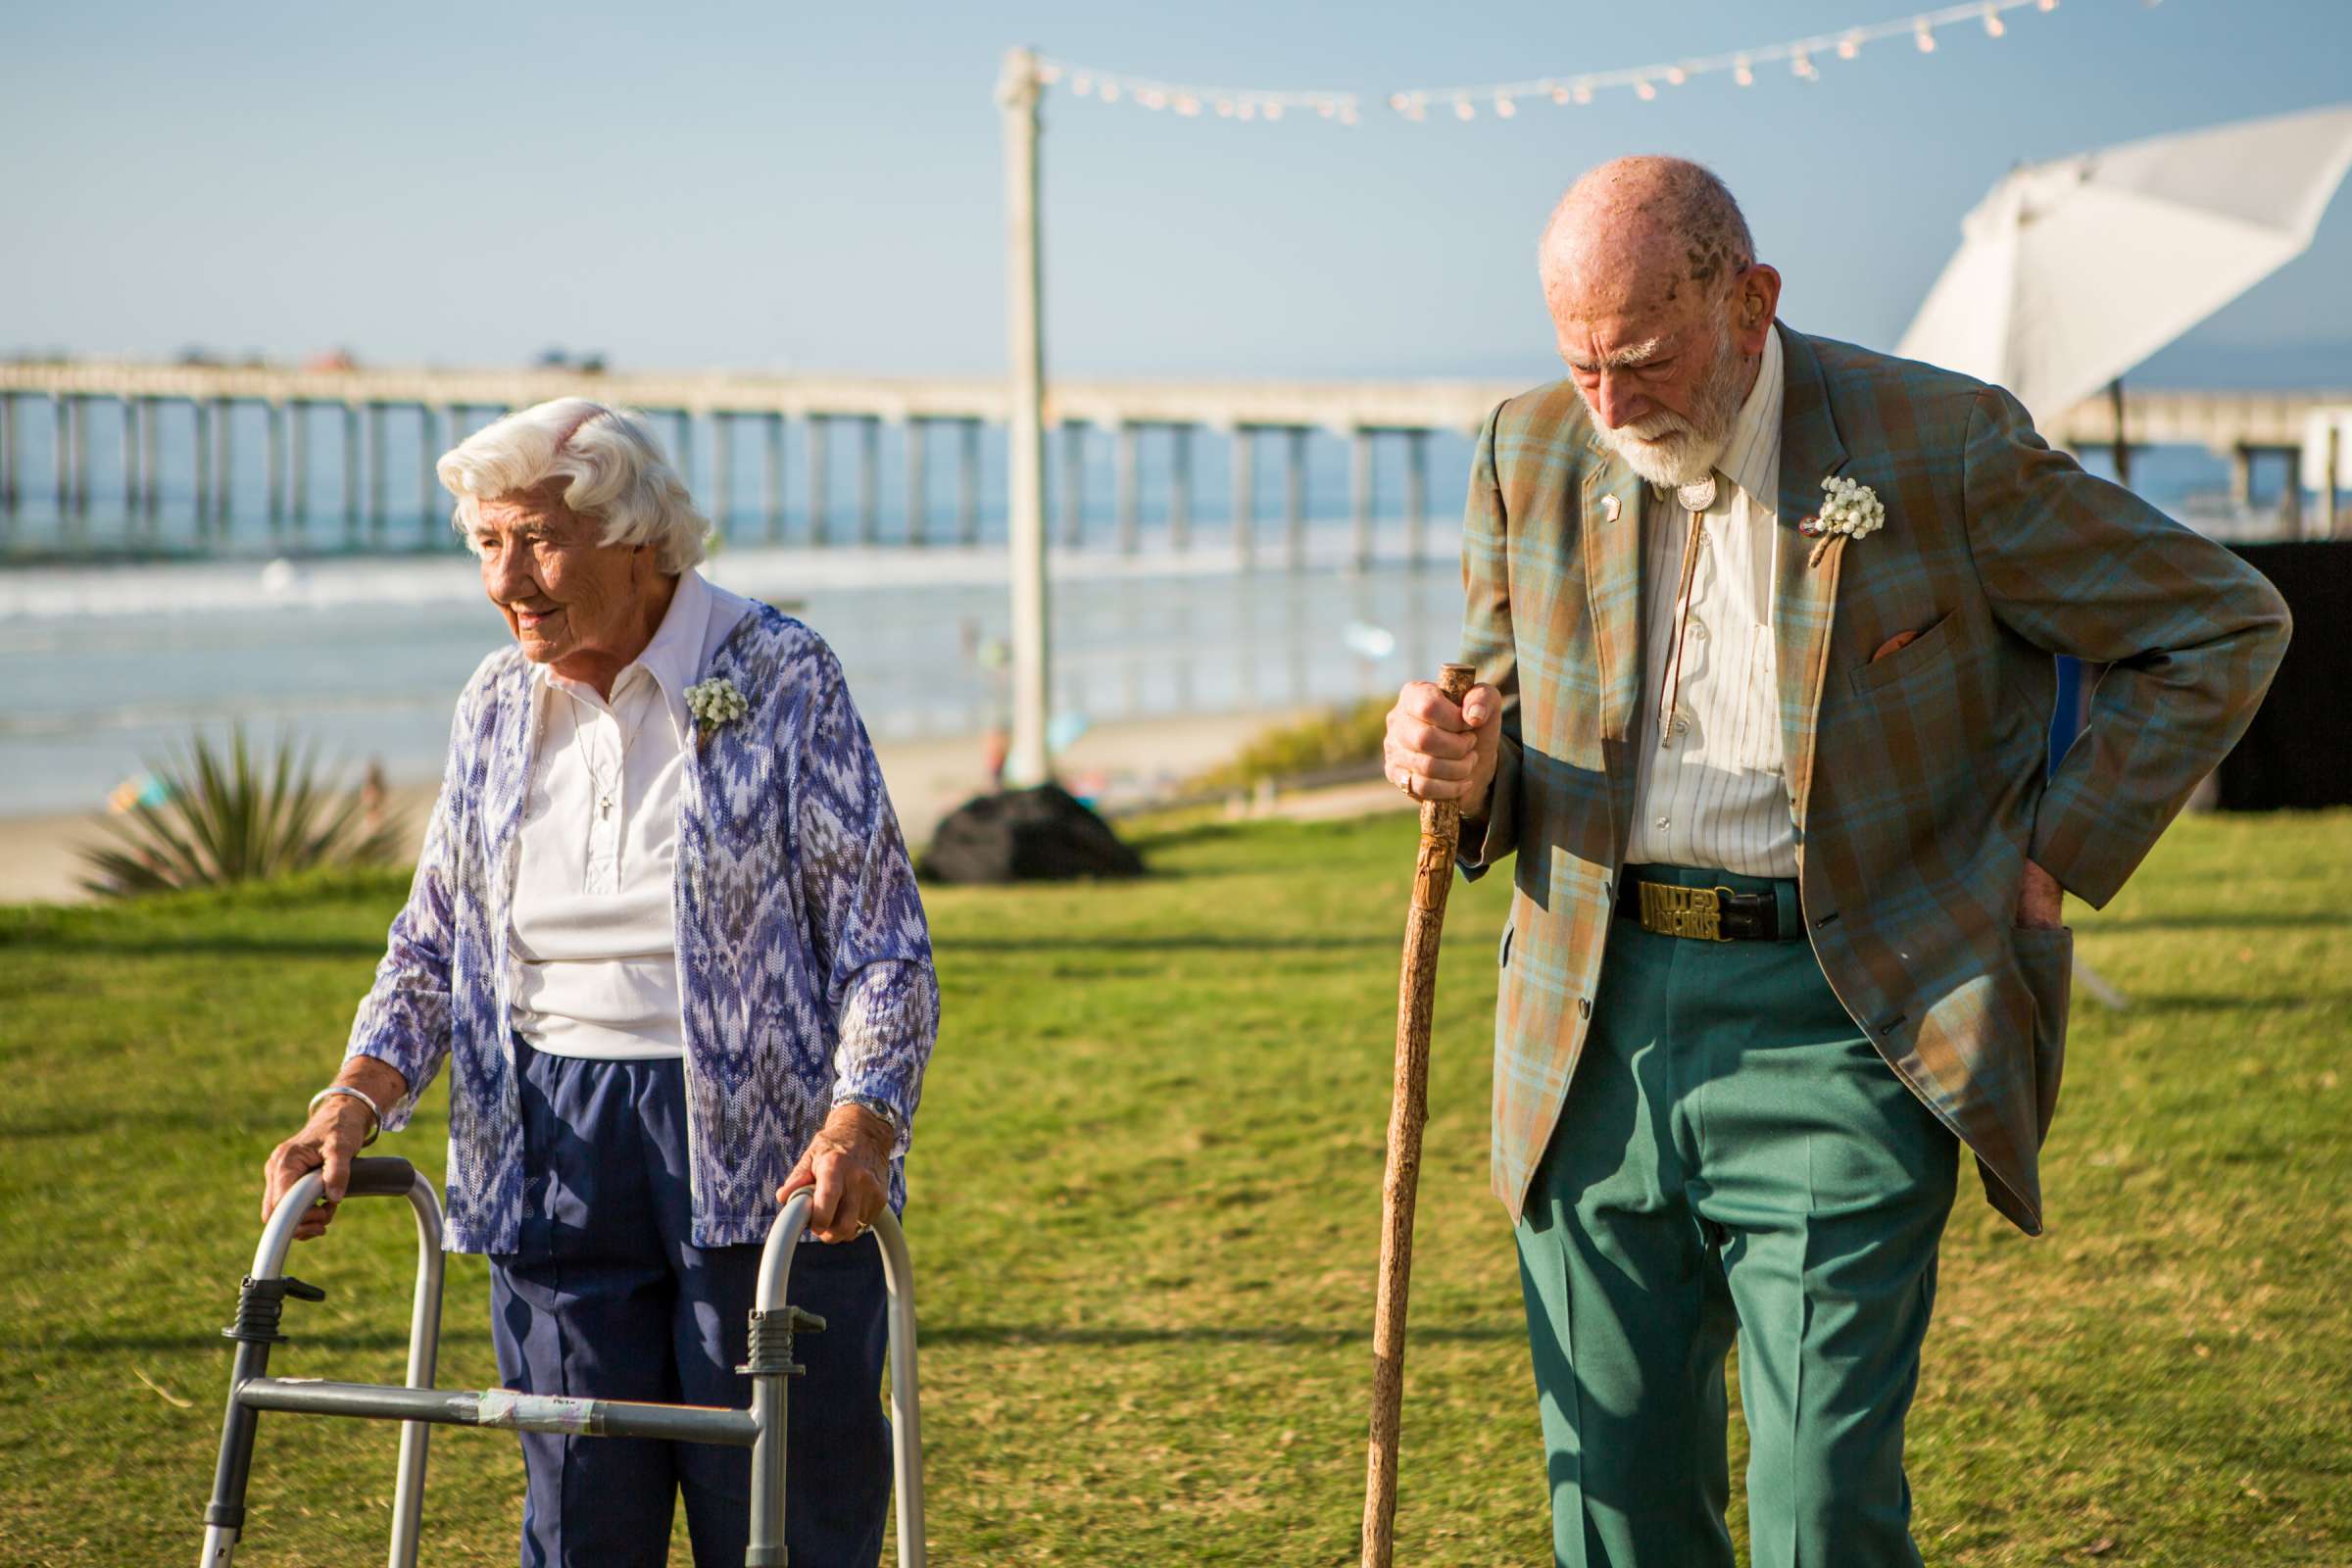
point(336, 1130)
point(848, 1164)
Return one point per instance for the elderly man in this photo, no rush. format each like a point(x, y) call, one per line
point(1763, 624)
point(665, 932)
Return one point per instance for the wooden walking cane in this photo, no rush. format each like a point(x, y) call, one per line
point(1408, 1108)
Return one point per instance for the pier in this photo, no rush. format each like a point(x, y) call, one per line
point(122, 410)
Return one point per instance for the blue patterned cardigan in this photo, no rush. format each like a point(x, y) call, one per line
point(803, 961)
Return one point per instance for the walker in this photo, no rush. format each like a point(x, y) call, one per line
point(419, 1405)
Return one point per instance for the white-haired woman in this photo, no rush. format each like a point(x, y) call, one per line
point(665, 932)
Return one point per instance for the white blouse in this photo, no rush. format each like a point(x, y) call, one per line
point(595, 942)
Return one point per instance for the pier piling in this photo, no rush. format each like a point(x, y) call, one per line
point(774, 497)
point(1293, 498)
point(918, 489)
point(820, 442)
point(1245, 495)
point(1073, 485)
point(1180, 488)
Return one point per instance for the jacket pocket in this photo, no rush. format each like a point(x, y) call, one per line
point(1928, 648)
point(2046, 960)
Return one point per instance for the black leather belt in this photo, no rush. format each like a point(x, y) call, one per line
point(1702, 914)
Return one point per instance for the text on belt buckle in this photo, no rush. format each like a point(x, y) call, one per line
point(1679, 911)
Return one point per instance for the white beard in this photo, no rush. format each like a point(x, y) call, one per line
point(1669, 449)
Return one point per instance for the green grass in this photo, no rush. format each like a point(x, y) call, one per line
point(1146, 1192)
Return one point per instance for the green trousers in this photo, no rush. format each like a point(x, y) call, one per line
point(1733, 1159)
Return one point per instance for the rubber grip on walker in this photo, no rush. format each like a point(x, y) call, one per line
point(380, 1176)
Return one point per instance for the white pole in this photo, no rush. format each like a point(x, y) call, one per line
point(1026, 760)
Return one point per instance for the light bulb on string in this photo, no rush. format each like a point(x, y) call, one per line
point(1676, 75)
point(1505, 109)
point(1188, 106)
point(1462, 110)
point(2046, 5)
point(1801, 64)
point(1924, 35)
point(1224, 109)
point(1248, 111)
point(1645, 91)
point(1850, 46)
point(1110, 92)
point(1559, 95)
point(1274, 111)
point(1584, 93)
point(1049, 74)
point(1743, 73)
point(1347, 114)
point(1994, 26)
point(1082, 84)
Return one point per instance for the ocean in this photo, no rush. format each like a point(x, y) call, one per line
point(359, 646)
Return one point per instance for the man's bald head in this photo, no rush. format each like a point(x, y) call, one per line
point(1645, 233)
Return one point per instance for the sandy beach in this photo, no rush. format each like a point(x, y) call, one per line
point(1119, 765)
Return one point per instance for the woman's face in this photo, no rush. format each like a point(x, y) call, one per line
point(569, 599)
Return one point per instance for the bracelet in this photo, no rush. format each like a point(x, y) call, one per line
point(375, 1116)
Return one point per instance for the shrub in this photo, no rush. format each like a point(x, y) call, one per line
point(1346, 740)
point(222, 820)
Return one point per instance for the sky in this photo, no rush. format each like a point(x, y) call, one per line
point(787, 186)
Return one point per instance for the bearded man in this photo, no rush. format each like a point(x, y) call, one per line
point(1764, 626)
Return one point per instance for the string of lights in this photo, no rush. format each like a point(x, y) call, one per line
point(1502, 98)
point(1802, 56)
point(1226, 103)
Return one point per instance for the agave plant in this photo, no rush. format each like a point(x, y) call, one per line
point(221, 819)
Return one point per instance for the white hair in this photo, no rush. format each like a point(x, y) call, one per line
point(614, 472)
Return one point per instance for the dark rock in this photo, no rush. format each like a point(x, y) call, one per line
point(1039, 835)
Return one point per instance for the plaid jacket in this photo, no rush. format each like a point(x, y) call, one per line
point(1915, 782)
point(803, 960)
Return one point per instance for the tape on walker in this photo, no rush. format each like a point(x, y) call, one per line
point(533, 1412)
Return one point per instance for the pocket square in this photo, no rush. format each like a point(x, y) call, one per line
point(1895, 644)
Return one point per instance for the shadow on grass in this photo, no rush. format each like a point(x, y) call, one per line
point(1193, 943)
point(2222, 922)
point(152, 946)
point(1016, 1334)
point(2338, 1003)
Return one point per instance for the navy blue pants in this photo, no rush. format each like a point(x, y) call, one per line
point(607, 1296)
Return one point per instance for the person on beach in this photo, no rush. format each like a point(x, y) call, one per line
point(665, 932)
point(1763, 626)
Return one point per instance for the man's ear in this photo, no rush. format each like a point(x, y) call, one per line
point(1754, 304)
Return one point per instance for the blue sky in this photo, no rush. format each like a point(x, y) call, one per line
point(792, 187)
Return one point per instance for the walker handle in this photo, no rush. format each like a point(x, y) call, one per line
point(380, 1176)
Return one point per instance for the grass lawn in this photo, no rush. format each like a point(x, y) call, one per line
point(1145, 1216)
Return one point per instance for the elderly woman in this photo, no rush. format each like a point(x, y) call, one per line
point(665, 932)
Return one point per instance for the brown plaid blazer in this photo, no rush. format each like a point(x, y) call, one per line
point(1916, 783)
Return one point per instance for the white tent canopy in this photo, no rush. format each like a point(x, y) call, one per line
point(2073, 271)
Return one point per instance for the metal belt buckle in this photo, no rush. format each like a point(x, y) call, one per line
point(1679, 911)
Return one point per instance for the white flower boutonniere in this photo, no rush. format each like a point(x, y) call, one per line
point(1849, 510)
point(713, 703)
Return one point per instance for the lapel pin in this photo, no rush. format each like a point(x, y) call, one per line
point(1608, 508)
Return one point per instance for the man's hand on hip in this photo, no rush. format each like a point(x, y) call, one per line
point(847, 1163)
point(1438, 752)
point(2040, 905)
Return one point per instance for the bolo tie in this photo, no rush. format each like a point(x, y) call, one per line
point(1695, 497)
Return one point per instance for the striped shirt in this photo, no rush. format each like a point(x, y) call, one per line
point(1711, 791)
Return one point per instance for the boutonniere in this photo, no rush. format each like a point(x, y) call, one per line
point(713, 703)
point(1849, 510)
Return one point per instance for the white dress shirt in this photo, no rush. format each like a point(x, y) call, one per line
point(1711, 790)
point(595, 941)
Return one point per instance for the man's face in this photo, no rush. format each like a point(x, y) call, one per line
point(1660, 371)
point(564, 591)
